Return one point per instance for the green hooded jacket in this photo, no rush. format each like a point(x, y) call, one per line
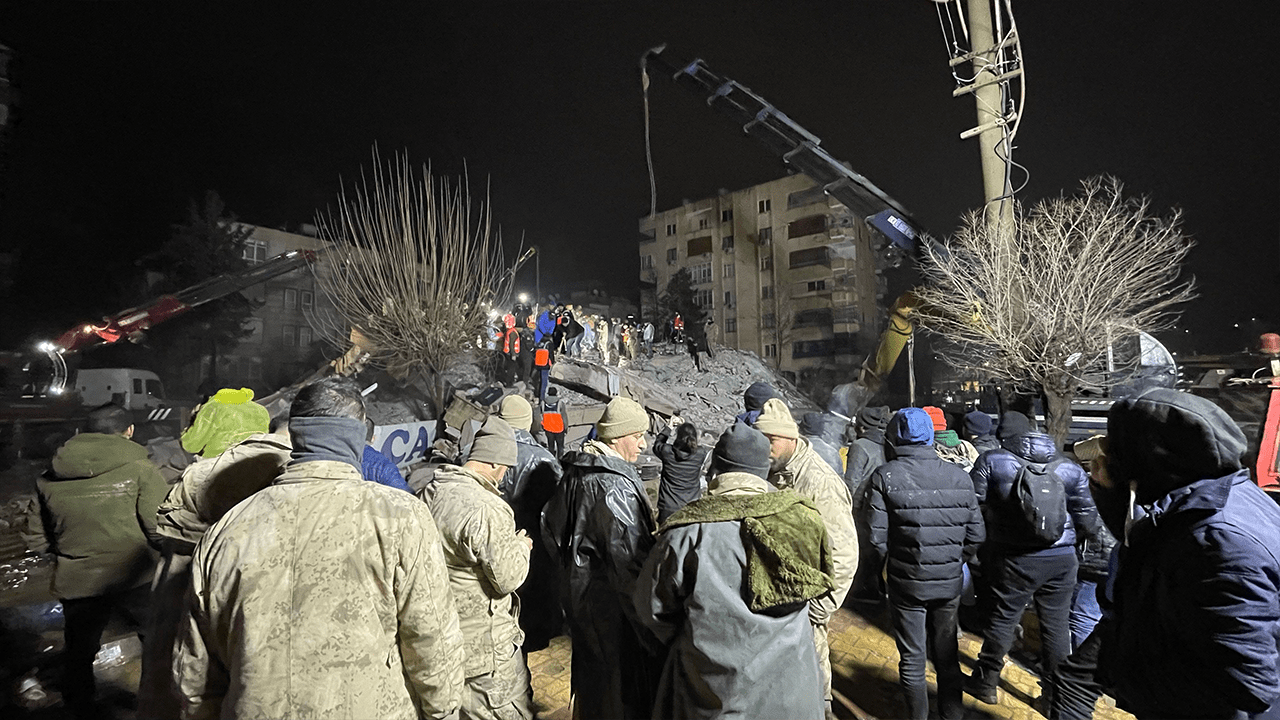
point(98, 508)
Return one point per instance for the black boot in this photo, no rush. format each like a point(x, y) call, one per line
point(982, 686)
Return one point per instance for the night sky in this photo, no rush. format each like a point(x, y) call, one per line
point(128, 111)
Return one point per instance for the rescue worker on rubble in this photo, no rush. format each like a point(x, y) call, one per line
point(291, 612)
point(737, 627)
point(600, 524)
point(488, 559)
point(793, 464)
point(98, 511)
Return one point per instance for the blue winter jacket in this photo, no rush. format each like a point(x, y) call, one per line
point(993, 476)
point(545, 326)
point(376, 467)
point(1197, 602)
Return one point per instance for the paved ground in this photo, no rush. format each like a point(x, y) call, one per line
point(865, 663)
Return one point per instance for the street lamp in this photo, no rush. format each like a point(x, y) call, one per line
point(524, 298)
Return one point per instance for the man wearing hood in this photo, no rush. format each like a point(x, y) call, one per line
point(98, 510)
point(726, 588)
point(322, 595)
point(977, 430)
point(600, 524)
point(488, 559)
point(865, 455)
point(1019, 566)
point(925, 520)
point(753, 401)
point(1196, 629)
point(527, 487)
point(793, 464)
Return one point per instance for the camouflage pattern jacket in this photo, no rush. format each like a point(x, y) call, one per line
point(321, 596)
point(487, 562)
point(811, 477)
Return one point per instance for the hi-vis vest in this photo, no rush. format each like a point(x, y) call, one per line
point(511, 343)
point(552, 421)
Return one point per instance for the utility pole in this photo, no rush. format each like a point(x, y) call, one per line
point(988, 91)
point(537, 274)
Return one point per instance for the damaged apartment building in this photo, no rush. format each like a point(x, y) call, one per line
point(784, 270)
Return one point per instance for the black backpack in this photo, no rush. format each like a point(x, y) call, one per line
point(1040, 502)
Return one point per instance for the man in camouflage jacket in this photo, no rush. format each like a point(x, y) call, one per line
point(488, 559)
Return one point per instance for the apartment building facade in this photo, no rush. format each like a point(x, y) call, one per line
point(784, 270)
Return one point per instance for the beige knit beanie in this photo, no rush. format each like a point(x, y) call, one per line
point(517, 412)
point(775, 419)
point(622, 417)
point(495, 443)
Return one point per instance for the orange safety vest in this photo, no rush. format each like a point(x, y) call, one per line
point(542, 357)
point(508, 347)
point(552, 422)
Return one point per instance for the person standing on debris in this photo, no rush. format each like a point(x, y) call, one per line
point(545, 326)
point(948, 444)
point(677, 329)
point(602, 340)
point(572, 333)
point(98, 511)
point(527, 346)
point(691, 345)
point(600, 523)
point(292, 610)
point(542, 359)
point(925, 520)
point(1019, 563)
point(377, 467)
point(682, 463)
point(510, 350)
point(527, 488)
point(866, 453)
point(793, 464)
point(713, 589)
point(1196, 612)
point(553, 422)
point(646, 338)
point(488, 559)
point(586, 341)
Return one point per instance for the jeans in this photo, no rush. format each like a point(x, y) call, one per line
point(918, 625)
point(1016, 580)
point(1085, 612)
point(84, 620)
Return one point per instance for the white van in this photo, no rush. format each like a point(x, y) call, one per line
point(130, 388)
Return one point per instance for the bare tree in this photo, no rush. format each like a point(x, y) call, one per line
point(1038, 301)
point(415, 270)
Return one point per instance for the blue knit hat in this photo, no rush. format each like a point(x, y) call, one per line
point(910, 426)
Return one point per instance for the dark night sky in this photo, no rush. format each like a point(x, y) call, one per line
point(127, 111)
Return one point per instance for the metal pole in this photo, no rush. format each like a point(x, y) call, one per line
point(990, 102)
point(537, 274)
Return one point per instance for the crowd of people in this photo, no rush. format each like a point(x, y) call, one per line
point(291, 573)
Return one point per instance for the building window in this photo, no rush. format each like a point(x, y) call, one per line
point(255, 251)
point(766, 262)
point(766, 206)
point(766, 235)
point(726, 244)
point(768, 321)
point(771, 351)
point(308, 299)
point(726, 215)
point(671, 228)
point(766, 292)
point(304, 336)
point(646, 262)
point(731, 325)
point(702, 223)
point(290, 299)
point(812, 256)
point(699, 246)
point(702, 298)
point(816, 285)
point(727, 270)
point(672, 256)
point(811, 225)
point(700, 273)
point(289, 336)
point(728, 298)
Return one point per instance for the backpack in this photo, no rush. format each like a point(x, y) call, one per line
point(1040, 502)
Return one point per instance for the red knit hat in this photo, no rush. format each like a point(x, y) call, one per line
point(938, 417)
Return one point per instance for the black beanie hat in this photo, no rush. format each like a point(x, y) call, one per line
point(874, 418)
point(977, 424)
point(757, 395)
point(742, 449)
point(1013, 423)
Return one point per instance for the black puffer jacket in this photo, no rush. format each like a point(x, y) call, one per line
point(527, 488)
point(681, 475)
point(993, 475)
point(925, 515)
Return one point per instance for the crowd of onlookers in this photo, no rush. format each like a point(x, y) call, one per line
point(293, 571)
